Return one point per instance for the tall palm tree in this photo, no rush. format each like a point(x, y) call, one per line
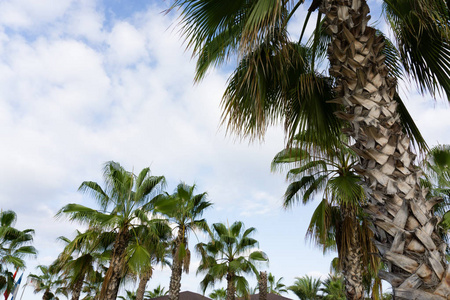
point(228, 256)
point(338, 221)
point(364, 89)
point(184, 209)
point(125, 201)
point(14, 247)
point(306, 288)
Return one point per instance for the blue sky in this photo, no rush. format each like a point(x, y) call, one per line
point(84, 82)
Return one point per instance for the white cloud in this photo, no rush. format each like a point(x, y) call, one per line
point(26, 14)
point(127, 44)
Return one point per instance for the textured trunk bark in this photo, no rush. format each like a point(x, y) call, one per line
point(113, 276)
point(405, 228)
point(145, 277)
point(231, 290)
point(177, 268)
point(262, 285)
point(351, 260)
point(76, 292)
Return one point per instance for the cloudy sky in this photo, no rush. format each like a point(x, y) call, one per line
point(83, 82)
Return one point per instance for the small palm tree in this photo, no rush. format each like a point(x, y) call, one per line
point(130, 295)
point(436, 167)
point(184, 209)
point(148, 248)
point(334, 288)
point(338, 221)
point(228, 256)
point(218, 294)
point(275, 286)
point(93, 283)
point(14, 247)
point(48, 281)
point(124, 202)
point(156, 292)
point(79, 256)
point(306, 288)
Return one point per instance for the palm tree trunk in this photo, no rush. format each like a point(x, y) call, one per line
point(351, 257)
point(231, 290)
point(404, 225)
point(110, 286)
point(144, 278)
point(262, 285)
point(76, 292)
point(177, 268)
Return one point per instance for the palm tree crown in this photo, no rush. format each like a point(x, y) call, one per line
point(228, 255)
point(124, 203)
point(185, 210)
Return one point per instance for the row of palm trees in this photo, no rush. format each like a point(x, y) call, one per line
point(138, 226)
point(133, 204)
point(337, 224)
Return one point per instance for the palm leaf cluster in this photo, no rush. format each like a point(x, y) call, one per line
point(338, 222)
point(332, 288)
point(229, 256)
point(15, 246)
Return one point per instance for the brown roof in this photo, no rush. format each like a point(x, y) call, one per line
point(187, 296)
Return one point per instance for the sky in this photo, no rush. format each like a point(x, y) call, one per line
point(83, 82)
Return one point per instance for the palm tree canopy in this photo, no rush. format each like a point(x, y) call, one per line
point(126, 197)
point(306, 288)
point(275, 286)
point(184, 208)
point(218, 294)
point(48, 281)
point(229, 252)
point(333, 288)
point(14, 243)
point(156, 292)
point(275, 79)
point(216, 31)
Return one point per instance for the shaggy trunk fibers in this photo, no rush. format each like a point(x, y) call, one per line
point(144, 278)
point(77, 288)
point(351, 257)
point(231, 290)
point(177, 268)
point(262, 285)
point(114, 274)
point(404, 224)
